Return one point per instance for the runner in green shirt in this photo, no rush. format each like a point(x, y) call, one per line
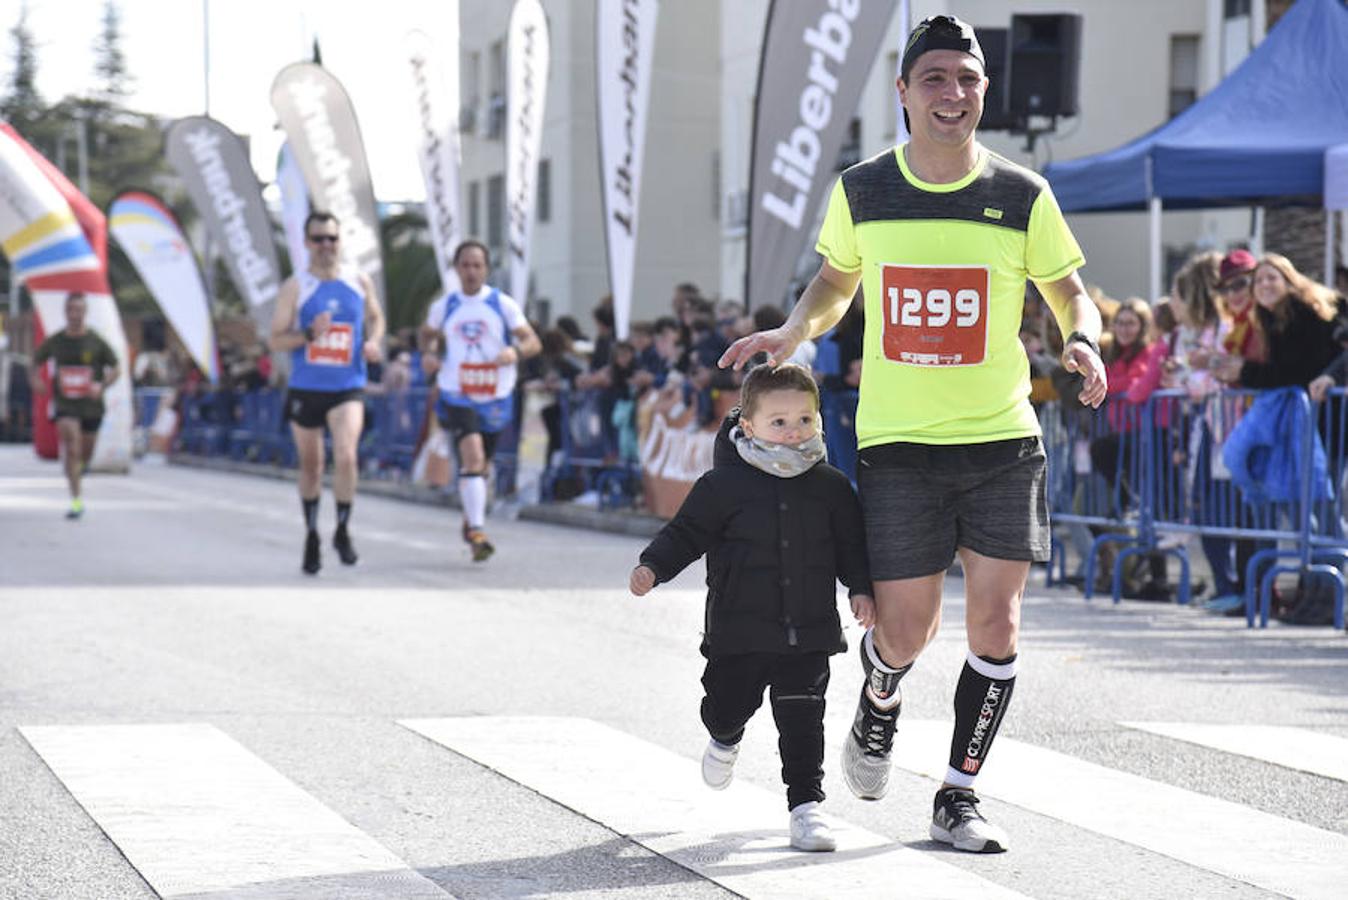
point(942, 235)
point(84, 367)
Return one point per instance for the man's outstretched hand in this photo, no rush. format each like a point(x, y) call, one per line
point(777, 343)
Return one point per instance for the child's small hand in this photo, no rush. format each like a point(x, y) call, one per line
point(641, 582)
point(863, 607)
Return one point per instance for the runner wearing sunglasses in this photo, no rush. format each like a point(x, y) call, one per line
point(329, 319)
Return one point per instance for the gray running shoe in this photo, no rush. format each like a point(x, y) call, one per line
point(957, 821)
point(866, 750)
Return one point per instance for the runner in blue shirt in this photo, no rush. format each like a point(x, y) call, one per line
point(329, 319)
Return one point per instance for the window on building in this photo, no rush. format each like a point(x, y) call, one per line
point(1234, 9)
point(496, 90)
point(474, 209)
point(496, 214)
point(544, 203)
point(1183, 72)
point(472, 92)
point(496, 67)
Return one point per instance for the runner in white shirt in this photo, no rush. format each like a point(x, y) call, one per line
point(474, 338)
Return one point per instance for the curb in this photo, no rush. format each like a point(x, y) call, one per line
point(565, 514)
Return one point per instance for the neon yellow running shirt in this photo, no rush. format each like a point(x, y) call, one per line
point(943, 274)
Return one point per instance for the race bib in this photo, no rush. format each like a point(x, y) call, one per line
point(334, 348)
point(478, 380)
point(75, 381)
point(935, 315)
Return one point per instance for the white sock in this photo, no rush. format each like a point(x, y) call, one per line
point(473, 496)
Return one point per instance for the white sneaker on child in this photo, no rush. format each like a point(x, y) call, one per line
point(718, 764)
point(809, 831)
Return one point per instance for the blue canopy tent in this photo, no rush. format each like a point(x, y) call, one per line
point(1259, 138)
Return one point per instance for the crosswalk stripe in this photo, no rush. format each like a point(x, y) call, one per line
point(736, 837)
point(1277, 854)
point(196, 813)
point(1291, 748)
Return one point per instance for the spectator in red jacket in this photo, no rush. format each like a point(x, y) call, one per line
point(1133, 365)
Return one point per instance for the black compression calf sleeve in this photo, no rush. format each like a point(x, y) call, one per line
point(343, 513)
point(981, 698)
point(882, 680)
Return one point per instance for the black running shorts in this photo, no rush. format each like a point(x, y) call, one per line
point(460, 422)
point(923, 501)
point(309, 409)
point(88, 424)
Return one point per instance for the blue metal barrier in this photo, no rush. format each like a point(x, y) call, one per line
point(1098, 467)
point(206, 422)
point(259, 432)
point(146, 401)
point(1168, 476)
point(838, 409)
point(393, 423)
point(589, 451)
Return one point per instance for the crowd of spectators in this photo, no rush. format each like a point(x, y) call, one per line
point(1233, 320)
point(1230, 320)
point(673, 356)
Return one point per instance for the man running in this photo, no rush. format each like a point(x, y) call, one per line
point(85, 367)
point(482, 335)
point(330, 320)
point(942, 234)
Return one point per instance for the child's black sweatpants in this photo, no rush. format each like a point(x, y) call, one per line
point(797, 682)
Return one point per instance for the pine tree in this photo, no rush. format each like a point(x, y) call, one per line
point(109, 61)
point(22, 104)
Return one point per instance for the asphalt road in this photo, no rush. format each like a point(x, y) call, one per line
point(178, 600)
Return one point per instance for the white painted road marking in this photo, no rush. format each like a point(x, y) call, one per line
point(1280, 855)
point(737, 837)
point(1291, 748)
point(196, 813)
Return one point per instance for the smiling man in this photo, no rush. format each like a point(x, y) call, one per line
point(942, 235)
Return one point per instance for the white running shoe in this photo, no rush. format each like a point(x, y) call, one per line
point(957, 821)
point(718, 764)
point(809, 831)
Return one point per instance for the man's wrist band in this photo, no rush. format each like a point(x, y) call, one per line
point(308, 332)
point(1082, 338)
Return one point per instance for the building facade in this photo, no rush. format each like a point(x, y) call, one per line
point(1140, 62)
point(678, 232)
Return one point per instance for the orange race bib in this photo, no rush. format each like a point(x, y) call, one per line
point(478, 380)
point(335, 347)
point(935, 315)
point(75, 381)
